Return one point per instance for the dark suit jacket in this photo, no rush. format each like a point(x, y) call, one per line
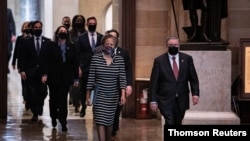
point(128, 66)
point(164, 86)
point(59, 72)
point(16, 49)
point(84, 50)
point(29, 61)
point(11, 24)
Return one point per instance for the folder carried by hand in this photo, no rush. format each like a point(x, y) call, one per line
point(93, 94)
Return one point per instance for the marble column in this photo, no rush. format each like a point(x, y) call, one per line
point(214, 72)
point(30, 10)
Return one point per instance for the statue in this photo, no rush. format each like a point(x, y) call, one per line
point(212, 11)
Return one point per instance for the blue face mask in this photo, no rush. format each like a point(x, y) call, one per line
point(108, 50)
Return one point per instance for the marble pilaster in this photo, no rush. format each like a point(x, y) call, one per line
point(214, 72)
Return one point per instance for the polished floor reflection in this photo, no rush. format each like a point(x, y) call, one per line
point(20, 128)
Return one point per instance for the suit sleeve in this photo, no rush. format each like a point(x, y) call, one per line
point(12, 25)
point(193, 78)
point(15, 54)
point(46, 58)
point(22, 55)
point(128, 67)
point(153, 84)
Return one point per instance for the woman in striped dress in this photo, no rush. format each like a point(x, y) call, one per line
point(107, 72)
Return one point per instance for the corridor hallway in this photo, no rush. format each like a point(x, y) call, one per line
point(20, 128)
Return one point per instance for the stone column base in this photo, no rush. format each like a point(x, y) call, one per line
point(210, 118)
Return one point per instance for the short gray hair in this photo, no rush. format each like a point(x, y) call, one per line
point(172, 37)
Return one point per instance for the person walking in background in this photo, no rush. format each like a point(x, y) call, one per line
point(11, 37)
point(129, 77)
point(25, 34)
point(107, 72)
point(60, 70)
point(78, 28)
point(171, 75)
point(31, 53)
point(86, 44)
point(66, 22)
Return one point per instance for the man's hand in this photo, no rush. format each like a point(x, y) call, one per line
point(195, 99)
point(44, 79)
point(23, 75)
point(154, 106)
point(128, 90)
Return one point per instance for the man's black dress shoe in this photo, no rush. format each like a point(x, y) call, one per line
point(34, 118)
point(54, 123)
point(64, 128)
point(76, 109)
point(82, 113)
point(40, 111)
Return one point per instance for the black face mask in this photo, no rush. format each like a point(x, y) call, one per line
point(173, 50)
point(92, 28)
point(79, 25)
point(37, 32)
point(27, 31)
point(67, 25)
point(31, 31)
point(62, 35)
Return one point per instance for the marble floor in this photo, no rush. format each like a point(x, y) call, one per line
point(19, 127)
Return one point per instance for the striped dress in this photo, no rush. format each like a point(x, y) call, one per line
point(110, 80)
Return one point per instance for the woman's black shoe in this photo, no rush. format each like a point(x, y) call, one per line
point(64, 128)
point(34, 118)
point(76, 109)
point(54, 123)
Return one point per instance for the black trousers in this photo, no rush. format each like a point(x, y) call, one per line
point(173, 116)
point(58, 102)
point(75, 94)
point(116, 119)
point(24, 89)
point(36, 94)
point(84, 80)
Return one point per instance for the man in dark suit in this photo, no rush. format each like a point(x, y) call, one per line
point(11, 33)
point(31, 53)
point(85, 46)
point(169, 89)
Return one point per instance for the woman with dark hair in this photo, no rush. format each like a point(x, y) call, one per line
point(78, 28)
point(60, 70)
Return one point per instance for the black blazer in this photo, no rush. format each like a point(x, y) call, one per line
point(16, 50)
point(59, 72)
point(164, 87)
point(11, 24)
point(128, 66)
point(84, 50)
point(29, 61)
